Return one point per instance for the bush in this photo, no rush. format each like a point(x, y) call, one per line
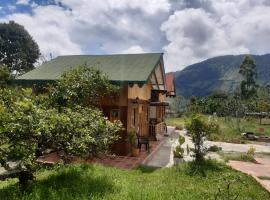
point(214, 148)
point(82, 86)
point(179, 151)
point(199, 130)
point(28, 128)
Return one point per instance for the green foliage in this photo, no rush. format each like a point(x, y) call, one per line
point(179, 151)
point(18, 50)
point(199, 129)
point(239, 157)
point(229, 127)
point(226, 191)
point(131, 138)
point(248, 71)
point(81, 86)
point(29, 127)
point(96, 182)
point(249, 156)
point(178, 106)
point(214, 148)
point(5, 76)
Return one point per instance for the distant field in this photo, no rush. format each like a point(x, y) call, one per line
point(76, 182)
point(230, 127)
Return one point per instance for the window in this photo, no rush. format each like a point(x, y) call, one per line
point(115, 114)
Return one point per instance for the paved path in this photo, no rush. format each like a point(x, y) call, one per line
point(230, 147)
point(163, 156)
point(255, 170)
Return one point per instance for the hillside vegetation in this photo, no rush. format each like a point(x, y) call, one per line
point(219, 73)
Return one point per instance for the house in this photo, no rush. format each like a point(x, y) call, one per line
point(140, 104)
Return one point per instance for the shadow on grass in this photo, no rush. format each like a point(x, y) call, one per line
point(72, 182)
point(201, 169)
point(147, 169)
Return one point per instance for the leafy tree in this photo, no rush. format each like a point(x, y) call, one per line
point(30, 125)
point(82, 86)
point(5, 76)
point(248, 71)
point(18, 50)
point(199, 128)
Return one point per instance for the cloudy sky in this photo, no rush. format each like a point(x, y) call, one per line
point(187, 31)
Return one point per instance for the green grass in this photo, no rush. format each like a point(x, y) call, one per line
point(175, 121)
point(238, 156)
point(98, 182)
point(229, 129)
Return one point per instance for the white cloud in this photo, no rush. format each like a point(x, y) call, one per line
point(220, 28)
point(90, 26)
point(23, 2)
point(133, 50)
point(187, 30)
point(50, 32)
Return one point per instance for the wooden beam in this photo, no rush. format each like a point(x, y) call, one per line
point(156, 78)
point(163, 73)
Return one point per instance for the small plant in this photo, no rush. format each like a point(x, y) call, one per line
point(179, 151)
point(239, 157)
point(131, 138)
point(214, 148)
point(251, 151)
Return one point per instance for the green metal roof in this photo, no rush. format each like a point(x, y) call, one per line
point(119, 68)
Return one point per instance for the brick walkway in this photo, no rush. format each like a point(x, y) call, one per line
point(255, 170)
point(128, 162)
point(125, 162)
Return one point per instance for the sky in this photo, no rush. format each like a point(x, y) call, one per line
point(186, 31)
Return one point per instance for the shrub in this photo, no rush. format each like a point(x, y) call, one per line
point(82, 86)
point(29, 128)
point(199, 130)
point(214, 148)
point(251, 151)
point(179, 151)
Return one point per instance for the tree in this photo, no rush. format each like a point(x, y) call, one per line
point(82, 86)
point(200, 129)
point(249, 74)
point(30, 126)
point(5, 76)
point(18, 50)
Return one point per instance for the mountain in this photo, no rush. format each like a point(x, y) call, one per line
point(218, 74)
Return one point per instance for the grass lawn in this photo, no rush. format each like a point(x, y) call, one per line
point(98, 182)
point(229, 128)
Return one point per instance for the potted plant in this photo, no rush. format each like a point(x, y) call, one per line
point(135, 151)
point(178, 153)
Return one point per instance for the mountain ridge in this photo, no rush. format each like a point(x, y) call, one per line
point(218, 74)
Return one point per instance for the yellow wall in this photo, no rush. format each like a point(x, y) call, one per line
point(162, 97)
point(143, 93)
